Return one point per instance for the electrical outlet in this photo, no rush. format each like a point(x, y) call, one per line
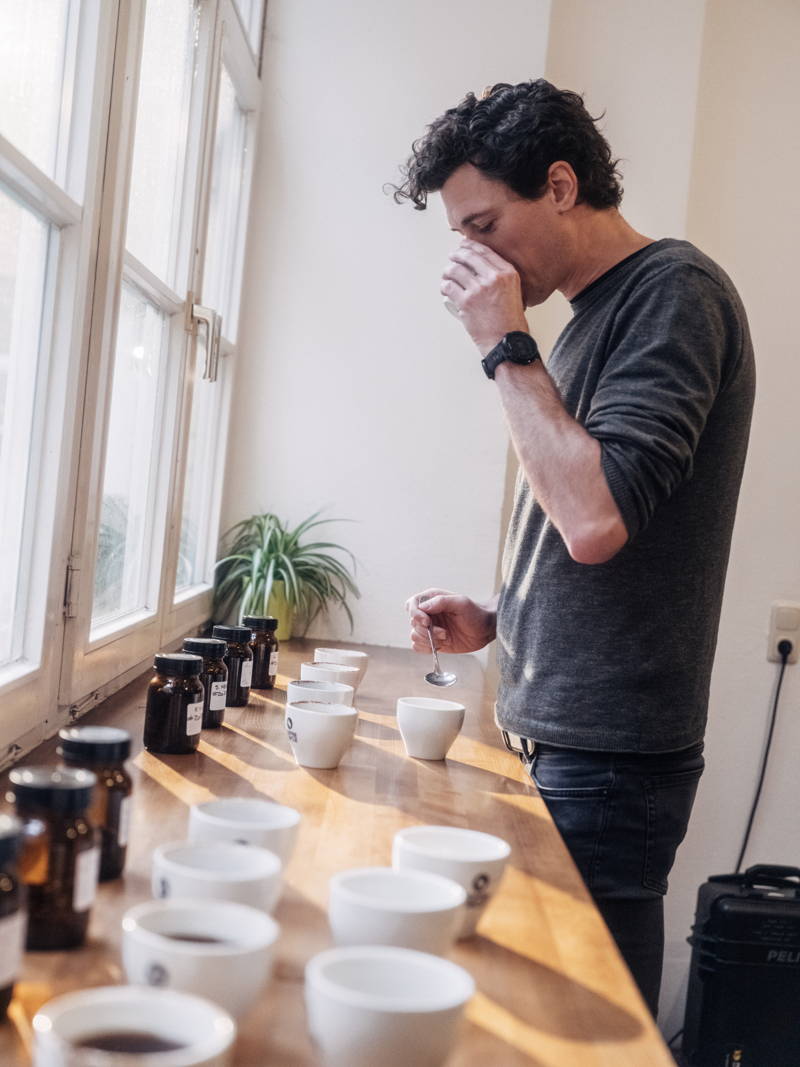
point(784, 623)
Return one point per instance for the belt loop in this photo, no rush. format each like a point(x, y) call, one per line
point(528, 747)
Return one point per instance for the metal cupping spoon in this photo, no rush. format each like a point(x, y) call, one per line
point(437, 676)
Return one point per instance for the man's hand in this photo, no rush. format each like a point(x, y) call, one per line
point(487, 292)
point(457, 623)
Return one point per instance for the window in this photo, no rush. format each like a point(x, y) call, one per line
point(126, 139)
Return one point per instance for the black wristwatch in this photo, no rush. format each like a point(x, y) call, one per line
point(516, 347)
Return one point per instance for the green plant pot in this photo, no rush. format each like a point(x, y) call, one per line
point(277, 605)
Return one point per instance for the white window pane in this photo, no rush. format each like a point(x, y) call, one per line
point(23, 264)
point(123, 564)
point(162, 121)
point(223, 248)
point(195, 567)
point(252, 14)
point(33, 95)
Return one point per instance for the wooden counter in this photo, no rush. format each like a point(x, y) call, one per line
point(552, 988)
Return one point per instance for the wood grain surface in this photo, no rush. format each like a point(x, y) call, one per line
point(552, 988)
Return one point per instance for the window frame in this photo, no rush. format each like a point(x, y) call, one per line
point(30, 685)
point(79, 669)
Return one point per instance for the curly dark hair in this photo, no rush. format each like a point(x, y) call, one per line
point(513, 133)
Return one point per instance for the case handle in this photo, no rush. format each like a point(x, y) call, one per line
point(770, 872)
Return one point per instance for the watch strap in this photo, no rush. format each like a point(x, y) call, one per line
point(516, 347)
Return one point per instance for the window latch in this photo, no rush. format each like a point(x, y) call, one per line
point(200, 315)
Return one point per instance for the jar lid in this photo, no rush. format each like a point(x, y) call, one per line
point(209, 647)
point(10, 833)
point(96, 744)
point(178, 663)
point(238, 634)
point(260, 622)
point(65, 790)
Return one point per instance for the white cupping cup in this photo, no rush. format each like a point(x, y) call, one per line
point(205, 1032)
point(329, 672)
point(214, 949)
point(428, 726)
point(246, 821)
point(349, 656)
point(328, 692)
point(378, 1005)
point(473, 859)
point(319, 733)
point(383, 906)
point(217, 870)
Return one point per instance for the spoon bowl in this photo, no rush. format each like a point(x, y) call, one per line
point(437, 676)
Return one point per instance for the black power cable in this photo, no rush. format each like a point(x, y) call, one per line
point(784, 650)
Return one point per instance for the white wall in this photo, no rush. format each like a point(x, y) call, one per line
point(744, 211)
point(356, 391)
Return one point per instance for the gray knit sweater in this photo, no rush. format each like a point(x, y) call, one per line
point(657, 364)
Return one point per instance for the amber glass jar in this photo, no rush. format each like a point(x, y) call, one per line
point(214, 677)
point(239, 661)
point(103, 750)
point(265, 647)
point(174, 714)
point(12, 909)
point(60, 858)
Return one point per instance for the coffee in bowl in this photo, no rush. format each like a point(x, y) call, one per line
point(130, 1041)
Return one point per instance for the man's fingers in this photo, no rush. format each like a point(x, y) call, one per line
point(420, 633)
point(486, 253)
point(460, 274)
point(473, 262)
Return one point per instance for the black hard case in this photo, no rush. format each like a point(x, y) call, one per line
point(743, 1003)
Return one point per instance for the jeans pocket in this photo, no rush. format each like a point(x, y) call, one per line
point(576, 789)
point(669, 801)
point(565, 775)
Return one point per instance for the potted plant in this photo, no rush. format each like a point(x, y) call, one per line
point(268, 571)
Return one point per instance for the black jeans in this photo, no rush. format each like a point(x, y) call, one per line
point(622, 817)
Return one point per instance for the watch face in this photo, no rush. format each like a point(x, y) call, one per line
point(521, 347)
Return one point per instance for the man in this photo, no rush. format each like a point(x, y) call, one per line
point(631, 444)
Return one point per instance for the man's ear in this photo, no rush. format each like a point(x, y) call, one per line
point(562, 185)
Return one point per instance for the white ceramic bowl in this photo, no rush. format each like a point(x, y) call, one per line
point(216, 870)
point(162, 946)
point(383, 906)
point(329, 672)
point(473, 859)
point(328, 692)
point(246, 821)
point(206, 1032)
point(319, 733)
point(377, 1005)
point(429, 726)
point(349, 656)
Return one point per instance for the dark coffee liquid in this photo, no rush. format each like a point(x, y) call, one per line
point(165, 722)
point(235, 658)
point(198, 939)
point(128, 1041)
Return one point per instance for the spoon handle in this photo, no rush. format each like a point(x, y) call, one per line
point(437, 668)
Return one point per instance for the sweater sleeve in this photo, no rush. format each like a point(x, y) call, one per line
point(659, 382)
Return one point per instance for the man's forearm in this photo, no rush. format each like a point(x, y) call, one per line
point(561, 463)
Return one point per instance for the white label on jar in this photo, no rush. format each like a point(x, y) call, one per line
point(12, 939)
point(194, 718)
point(247, 673)
point(219, 692)
point(87, 868)
point(124, 821)
point(273, 663)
